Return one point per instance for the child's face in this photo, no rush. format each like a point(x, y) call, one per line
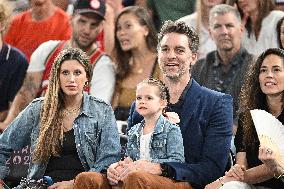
point(148, 101)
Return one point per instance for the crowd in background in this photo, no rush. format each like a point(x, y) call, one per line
point(238, 42)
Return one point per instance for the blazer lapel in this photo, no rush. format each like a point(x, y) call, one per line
point(192, 99)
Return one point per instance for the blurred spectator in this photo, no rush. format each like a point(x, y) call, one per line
point(199, 20)
point(112, 10)
point(260, 21)
point(42, 22)
point(162, 10)
point(223, 70)
point(87, 23)
point(280, 33)
point(13, 64)
point(135, 56)
point(279, 4)
point(19, 6)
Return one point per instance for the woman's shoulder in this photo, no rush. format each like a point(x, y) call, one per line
point(92, 100)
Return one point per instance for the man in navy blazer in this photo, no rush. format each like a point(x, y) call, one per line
point(206, 119)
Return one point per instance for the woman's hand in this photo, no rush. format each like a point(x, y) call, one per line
point(219, 182)
point(237, 171)
point(269, 158)
point(62, 185)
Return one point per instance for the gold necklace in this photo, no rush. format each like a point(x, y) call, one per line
point(74, 111)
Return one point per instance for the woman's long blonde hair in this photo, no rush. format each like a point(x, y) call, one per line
point(51, 130)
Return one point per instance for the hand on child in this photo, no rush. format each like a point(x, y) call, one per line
point(172, 117)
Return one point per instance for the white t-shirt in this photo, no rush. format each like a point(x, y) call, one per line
point(267, 37)
point(103, 79)
point(145, 146)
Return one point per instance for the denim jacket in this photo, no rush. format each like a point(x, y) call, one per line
point(96, 136)
point(166, 144)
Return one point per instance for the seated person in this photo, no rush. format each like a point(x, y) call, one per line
point(263, 89)
point(69, 131)
point(155, 139)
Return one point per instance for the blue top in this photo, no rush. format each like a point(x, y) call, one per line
point(96, 136)
point(206, 126)
point(165, 144)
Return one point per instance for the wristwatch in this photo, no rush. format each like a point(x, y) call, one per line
point(167, 171)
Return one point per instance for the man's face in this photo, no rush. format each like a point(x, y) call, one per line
point(175, 57)
point(226, 31)
point(85, 28)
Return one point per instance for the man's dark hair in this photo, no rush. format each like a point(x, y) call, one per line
point(180, 28)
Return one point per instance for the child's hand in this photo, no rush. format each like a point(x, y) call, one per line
point(172, 117)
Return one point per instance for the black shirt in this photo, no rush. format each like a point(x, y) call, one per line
point(252, 151)
point(68, 165)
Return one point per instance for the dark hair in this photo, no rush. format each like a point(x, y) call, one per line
point(264, 8)
point(180, 28)
point(278, 30)
point(163, 89)
point(121, 57)
point(251, 95)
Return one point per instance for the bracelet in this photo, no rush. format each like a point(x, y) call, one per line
point(280, 176)
point(221, 181)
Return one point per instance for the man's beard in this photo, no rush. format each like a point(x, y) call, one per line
point(174, 77)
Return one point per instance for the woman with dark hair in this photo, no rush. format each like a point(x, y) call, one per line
point(68, 130)
point(135, 56)
point(260, 20)
point(263, 89)
point(280, 32)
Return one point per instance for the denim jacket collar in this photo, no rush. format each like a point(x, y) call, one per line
point(159, 127)
point(86, 109)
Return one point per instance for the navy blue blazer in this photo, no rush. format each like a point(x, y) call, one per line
point(206, 125)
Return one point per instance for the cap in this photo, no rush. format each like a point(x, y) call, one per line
point(94, 6)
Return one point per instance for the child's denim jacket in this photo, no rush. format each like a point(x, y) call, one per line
point(96, 136)
point(166, 144)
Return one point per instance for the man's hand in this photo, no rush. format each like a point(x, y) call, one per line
point(113, 174)
point(172, 117)
point(3, 126)
point(62, 185)
point(146, 166)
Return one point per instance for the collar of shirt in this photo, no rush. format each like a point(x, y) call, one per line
point(239, 57)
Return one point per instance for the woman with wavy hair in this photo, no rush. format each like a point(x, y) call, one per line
point(260, 20)
point(263, 89)
point(135, 56)
point(69, 131)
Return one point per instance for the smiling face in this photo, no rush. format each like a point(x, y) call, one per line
point(226, 31)
point(148, 101)
point(271, 76)
point(175, 56)
point(130, 33)
point(72, 77)
point(85, 29)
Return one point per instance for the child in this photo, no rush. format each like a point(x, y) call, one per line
point(155, 139)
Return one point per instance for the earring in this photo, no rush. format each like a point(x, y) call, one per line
point(86, 84)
